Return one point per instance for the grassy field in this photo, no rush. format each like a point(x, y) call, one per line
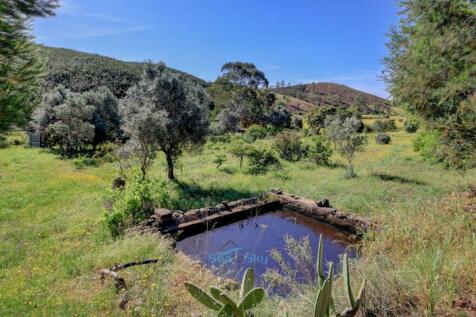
point(54, 244)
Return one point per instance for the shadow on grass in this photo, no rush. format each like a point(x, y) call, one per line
point(192, 195)
point(397, 179)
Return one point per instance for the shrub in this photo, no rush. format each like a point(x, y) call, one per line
point(411, 126)
point(384, 125)
point(255, 132)
point(3, 142)
point(239, 149)
point(134, 204)
point(289, 146)
point(320, 150)
point(367, 128)
point(296, 122)
point(85, 161)
point(429, 147)
point(261, 160)
point(383, 138)
point(219, 159)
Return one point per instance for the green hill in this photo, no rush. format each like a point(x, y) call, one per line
point(335, 95)
point(81, 71)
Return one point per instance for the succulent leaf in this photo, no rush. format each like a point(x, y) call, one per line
point(252, 298)
point(348, 287)
point(320, 260)
point(200, 295)
point(247, 283)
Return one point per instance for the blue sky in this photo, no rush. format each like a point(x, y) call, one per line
point(298, 41)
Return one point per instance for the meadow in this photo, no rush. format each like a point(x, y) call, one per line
point(54, 242)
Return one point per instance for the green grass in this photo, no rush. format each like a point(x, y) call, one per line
point(53, 241)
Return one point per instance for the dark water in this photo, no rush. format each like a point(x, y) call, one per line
point(231, 249)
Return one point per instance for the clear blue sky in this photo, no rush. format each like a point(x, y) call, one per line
point(297, 41)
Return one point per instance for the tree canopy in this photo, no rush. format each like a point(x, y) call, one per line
point(20, 68)
point(245, 74)
point(431, 69)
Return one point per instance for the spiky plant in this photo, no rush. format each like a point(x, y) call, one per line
point(324, 306)
point(221, 302)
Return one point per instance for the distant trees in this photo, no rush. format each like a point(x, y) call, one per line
point(162, 113)
point(73, 121)
point(343, 132)
point(430, 70)
point(244, 74)
point(20, 68)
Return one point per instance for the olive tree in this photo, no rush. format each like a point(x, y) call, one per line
point(72, 129)
point(163, 113)
point(343, 132)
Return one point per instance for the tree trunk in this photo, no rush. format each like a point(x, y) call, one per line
point(170, 166)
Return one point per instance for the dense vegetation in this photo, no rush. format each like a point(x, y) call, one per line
point(431, 70)
point(142, 123)
point(329, 94)
point(81, 72)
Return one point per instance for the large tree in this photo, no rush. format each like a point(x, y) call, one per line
point(244, 74)
point(163, 113)
point(20, 67)
point(431, 68)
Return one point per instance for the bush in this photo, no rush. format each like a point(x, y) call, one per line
point(383, 138)
point(219, 159)
point(367, 129)
point(384, 125)
point(3, 142)
point(239, 149)
point(255, 132)
point(85, 161)
point(429, 147)
point(320, 150)
point(134, 204)
point(261, 160)
point(289, 146)
point(411, 126)
point(296, 122)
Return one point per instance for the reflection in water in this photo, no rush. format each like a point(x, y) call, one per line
point(231, 249)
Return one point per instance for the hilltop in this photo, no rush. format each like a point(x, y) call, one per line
point(80, 71)
point(334, 95)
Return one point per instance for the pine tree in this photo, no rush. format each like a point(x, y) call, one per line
point(20, 67)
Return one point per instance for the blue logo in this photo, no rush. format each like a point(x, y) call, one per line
point(233, 254)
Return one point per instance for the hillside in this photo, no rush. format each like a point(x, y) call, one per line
point(81, 71)
point(335, 95)
point(294, 104)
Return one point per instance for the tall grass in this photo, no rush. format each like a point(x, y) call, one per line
point(54, 242)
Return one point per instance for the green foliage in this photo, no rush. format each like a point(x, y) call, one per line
point(20, 66)
point(296, 122)
point(218, 300)
point(85, 161)
point(81, 72)
point(239, 149)
point(244, 74)
point(163, 113)
point(383, 138)
point(428, 144)
point(71, 130)
point(255, 132)
point(344, 135)
point(135, 203)
point(320, 150)
point(261, 160)
point(323, 305)
point(289, 146)
point(4, 142)
point(411, 126)
point(316, 118)
point(219, 159)
point(384, 125)
point(431, 70)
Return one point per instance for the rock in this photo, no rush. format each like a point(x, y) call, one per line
point(323, 203)
point(162, 215)
point(118, 183)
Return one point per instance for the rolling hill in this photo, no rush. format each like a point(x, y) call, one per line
point(334, 95)
point(81, 71)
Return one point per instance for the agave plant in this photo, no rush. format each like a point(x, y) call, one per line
point(221, 302)
point(324, 306)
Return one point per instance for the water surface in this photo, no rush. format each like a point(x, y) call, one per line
point(231, 249)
